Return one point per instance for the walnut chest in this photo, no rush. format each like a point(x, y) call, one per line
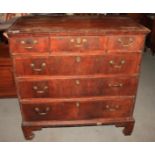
point(75, 71)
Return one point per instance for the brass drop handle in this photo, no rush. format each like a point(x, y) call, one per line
point(127, 43)
point(78, 41)
point(40, 112)
point(122, 62)
point(112, 108)
point(42, 66)
point(38, 91)
point(28, 42)
point(115, 85)
point(77, 104)
point(78, 59)
point(111, 62)
point(77, 82)
point(28, 47)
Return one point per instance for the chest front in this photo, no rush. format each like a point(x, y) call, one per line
point(76, 76)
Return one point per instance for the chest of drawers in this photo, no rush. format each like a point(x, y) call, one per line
point(75, 71)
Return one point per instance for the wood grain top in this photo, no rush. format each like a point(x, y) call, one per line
point(66, 25)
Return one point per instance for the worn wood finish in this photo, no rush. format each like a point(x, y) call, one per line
point(71, 25)
point(78, 110)
point(125, 42)
point(7, 85)
point(97, 63)
point(78, 87)
point(77, 43)
point(75, 71)
point(29, 44)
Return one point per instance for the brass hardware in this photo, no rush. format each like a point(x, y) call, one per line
point(29, 41)
point(84, 40)
point(77, 104)
point(37, 109)
point(78, 59)
point(35, 88)
point(116, 85)
point(77, 82)
point(117, 66)
point(112, 108)
point(78, 45)
point(22, 42)
point(111, 62)
point(72, 40)
point(40, 91)
point(124, 43)
point(42, 66)
point(28, 47)
point(78, 41)
point(107, 106)
point(122, 62)
point(35, 42)
point(98, 123)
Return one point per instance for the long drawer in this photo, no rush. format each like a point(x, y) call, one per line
point(78, 110)
point(77, 87)
point(78, 64)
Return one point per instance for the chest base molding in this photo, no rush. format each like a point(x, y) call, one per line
point(29, 127)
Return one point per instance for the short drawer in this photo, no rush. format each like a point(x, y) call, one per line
point(77, 43)
point(29, 44)
point(124, 63)
point(125, 42)
point(78, 110)
point(79, 87)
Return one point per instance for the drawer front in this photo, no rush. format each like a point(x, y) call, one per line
point(79, 64)
point(95, 64)
point(46, 111)
point(29, 45)
point(80, 87)
point(78, 110)
point(32, 66)
point(122, 63)
point(77, 43)
point(115, 108)
point(125, 42)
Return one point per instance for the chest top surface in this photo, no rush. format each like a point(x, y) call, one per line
point(66, 25)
